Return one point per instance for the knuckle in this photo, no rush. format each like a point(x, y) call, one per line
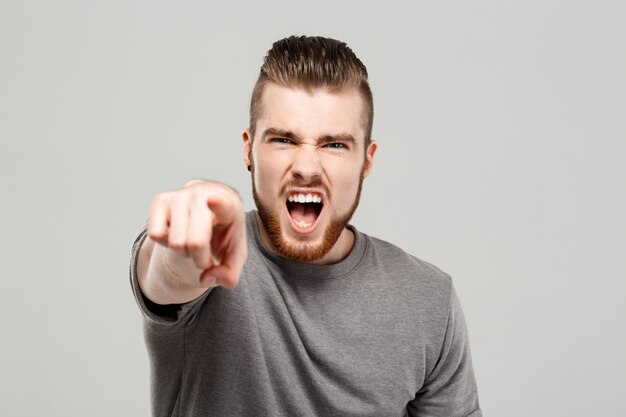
point(195, 196)
point(176, 244)
point(156, 231)
point(159, 199)
point(202, 262)
point(155, 234)
point(194, 182)
point(195, 243)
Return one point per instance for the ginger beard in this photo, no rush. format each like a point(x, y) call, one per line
point(304, 252)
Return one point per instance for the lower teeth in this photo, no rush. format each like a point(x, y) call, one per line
point(303, 225)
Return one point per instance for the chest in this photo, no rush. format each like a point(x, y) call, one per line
point(330, 349)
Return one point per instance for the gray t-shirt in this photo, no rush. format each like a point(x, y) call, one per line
point(380, 333)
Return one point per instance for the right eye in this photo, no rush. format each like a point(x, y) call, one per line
point(283, 141)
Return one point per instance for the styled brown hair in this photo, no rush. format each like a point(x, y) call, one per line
point(313, 62)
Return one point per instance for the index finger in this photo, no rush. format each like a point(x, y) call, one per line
point(232, 258)
point(225, 205)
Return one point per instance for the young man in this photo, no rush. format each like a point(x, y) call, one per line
point(288, 310)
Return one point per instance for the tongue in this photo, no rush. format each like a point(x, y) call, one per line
point(303, 212)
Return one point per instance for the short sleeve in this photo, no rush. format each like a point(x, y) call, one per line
point(159, 316)
point(450, 389)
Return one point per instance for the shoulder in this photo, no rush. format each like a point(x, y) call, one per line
point(404, 270)
point(420, 293)
point(394, 257)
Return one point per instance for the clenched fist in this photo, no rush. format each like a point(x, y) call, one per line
point(200, 236)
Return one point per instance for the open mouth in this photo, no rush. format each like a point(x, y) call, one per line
point(304, 209)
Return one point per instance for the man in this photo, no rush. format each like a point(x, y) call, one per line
point(288, 310)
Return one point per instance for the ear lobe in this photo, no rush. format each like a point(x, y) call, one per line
point(369, 157)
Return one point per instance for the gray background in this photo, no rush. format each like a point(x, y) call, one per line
point(502, 150)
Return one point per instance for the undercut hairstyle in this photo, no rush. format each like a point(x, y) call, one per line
point(312, 62)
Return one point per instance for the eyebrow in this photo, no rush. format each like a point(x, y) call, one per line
point(272, 131)
point(341, 137)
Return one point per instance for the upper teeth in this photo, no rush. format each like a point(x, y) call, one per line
point(304, 198)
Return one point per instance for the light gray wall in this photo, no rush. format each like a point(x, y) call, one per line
point(502, 160)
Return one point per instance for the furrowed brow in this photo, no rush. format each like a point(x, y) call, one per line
point(342, 137)
point(272, 131)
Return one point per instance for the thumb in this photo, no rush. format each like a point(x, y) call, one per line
point(227, 272)
point(219, 275)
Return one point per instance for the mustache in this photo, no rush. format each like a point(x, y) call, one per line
point(316, 183)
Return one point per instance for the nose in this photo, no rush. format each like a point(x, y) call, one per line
point(307, 165)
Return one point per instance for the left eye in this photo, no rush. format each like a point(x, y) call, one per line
point(336, 145)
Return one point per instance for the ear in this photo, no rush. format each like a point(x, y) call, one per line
point(247, 147)
point(369, 157)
